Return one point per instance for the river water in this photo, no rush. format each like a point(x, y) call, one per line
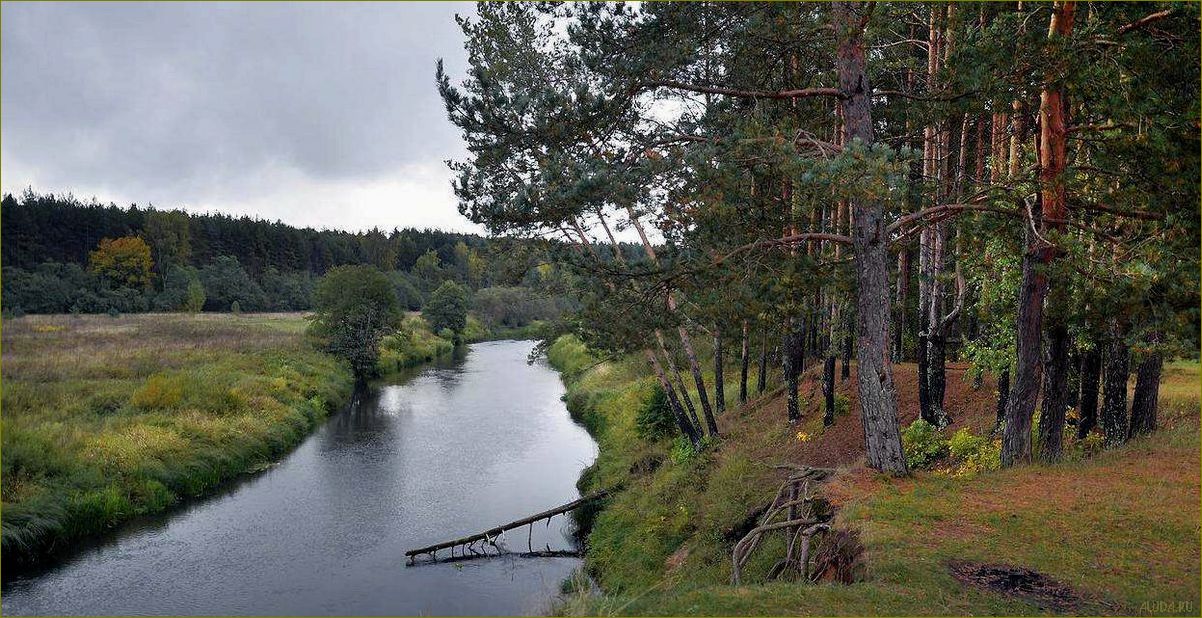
point(453, 449)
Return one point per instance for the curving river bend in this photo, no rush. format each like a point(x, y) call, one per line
point(457, 447)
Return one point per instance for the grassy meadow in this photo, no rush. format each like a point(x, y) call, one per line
point(1119, 527)
point(107, 418)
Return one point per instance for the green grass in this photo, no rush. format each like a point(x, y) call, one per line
point(105, 419)
point(413, 344)
point(1121, 527)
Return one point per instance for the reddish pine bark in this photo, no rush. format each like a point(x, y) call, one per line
point(1053, 132)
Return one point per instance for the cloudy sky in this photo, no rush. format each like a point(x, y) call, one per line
point(322, 115)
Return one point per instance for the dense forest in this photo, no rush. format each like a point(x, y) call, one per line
point(63, 255)
point(1014, 185)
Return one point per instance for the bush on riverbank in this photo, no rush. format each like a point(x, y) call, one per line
point(411, 345)
point(109, 418)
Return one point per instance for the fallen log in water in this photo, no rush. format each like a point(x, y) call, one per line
point(538, 553)
point(489, 537)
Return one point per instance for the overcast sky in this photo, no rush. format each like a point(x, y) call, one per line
point(322, 115)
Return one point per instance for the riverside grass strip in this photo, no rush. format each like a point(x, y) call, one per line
point(109, 418)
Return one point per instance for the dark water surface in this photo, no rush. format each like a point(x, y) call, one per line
point(455, 449)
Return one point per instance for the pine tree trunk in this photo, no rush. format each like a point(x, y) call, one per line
point(682, 390)
point(922, 373)
point(1024, 390)
point(1055, 395)
point(1147, 393)
point(1003, 395)
point(762, 379)
point(695, 367)
point(845, 373)
point(878, 399)
point(719, 378)
point(1114, 397)
point(828, 390)
point(903, 293)
point(1091, 370)
point(791, 365)
point(685, 341)
point(936, 380)
point(682, 421)
point(744, 363)
point(1053, 197)
point(1073, 381)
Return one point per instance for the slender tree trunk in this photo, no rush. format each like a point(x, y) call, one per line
point(682, 390)
point(686, 341)
point(791, 364)
point(930, 242)
point(1053, 132)
point(1091, 370)
point(845, 373)
point(719, 378)
point(682, 420)
point(1114, 397)
point(762, 379)
point(939, 324)
point(1147, 392)
point(878, 399)
point(903, 285)
point(1055, 395)
point(1024, 390)
point(828, 390)
point(936, 380)
point(1073, 381)
point(1003, 396)
point(923, 371)
point(744, 363)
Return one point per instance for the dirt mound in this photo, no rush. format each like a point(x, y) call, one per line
point(1018, 582)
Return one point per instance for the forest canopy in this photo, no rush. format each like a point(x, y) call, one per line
point(992, 182)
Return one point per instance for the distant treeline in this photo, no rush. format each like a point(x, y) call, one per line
point(40, 228)
point(62, 255)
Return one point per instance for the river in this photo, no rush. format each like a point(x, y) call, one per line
point(453, 449)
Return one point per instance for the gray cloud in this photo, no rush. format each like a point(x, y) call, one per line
point(319, 114)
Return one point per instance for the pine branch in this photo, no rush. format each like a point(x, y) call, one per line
point(746, 94)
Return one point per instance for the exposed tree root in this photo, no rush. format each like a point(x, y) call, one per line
point(803, 518)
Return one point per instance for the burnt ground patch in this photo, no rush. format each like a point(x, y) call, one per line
point(1026, 584)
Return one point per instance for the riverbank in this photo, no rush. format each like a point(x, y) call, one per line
point(415, 344)
point(662, 545)
point(324, 531)
point(109, 418)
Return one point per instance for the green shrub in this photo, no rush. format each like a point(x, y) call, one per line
point(974, 453)
point(475, 330)
point(923, 444)
point(654, 419)
point(963, 444)
point(842, 405)
point(412, 344)
point(682, 451)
